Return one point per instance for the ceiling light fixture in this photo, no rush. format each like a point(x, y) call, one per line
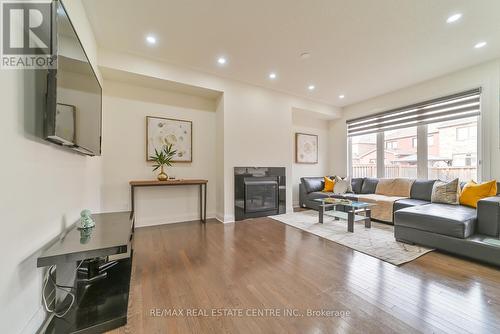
point(311, 87)
point(341, 96)
point(454, 18)
point(272, 75)
point(222, 60)
point(151, 39)
point(480, 45)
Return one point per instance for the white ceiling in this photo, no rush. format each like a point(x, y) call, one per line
point(360, 48)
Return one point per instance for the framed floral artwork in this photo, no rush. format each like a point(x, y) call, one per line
point(165, 131)
point(306, 148)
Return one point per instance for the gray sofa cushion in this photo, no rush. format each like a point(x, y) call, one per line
point(312, 184)
point(356, 184)
point(349, 196)
point(408, 203)
point(452, 220)
point(369, 186)
point(422, 189)
point(318, 194)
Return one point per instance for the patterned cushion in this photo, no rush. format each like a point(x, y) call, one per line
point(342, 185)
point(446, 192)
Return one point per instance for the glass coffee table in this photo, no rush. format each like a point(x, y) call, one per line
point(356, 211)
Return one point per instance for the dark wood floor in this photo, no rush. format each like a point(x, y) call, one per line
point(263, 264)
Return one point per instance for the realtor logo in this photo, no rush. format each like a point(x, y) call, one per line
point(26, 35)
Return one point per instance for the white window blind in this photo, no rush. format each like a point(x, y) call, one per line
point(465, 104)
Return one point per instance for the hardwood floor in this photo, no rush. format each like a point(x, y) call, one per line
point(263, 264)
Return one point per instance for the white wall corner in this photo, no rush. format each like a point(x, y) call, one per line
point(35, 322)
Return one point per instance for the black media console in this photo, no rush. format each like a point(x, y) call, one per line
point(97, 264)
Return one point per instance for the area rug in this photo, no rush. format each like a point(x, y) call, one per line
point(377, 241)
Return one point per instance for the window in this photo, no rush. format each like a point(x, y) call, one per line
point(435, 139)
point(391, 145)
point(456, 154)
point(403, 161)
point(364, 155)
point(466, 133)
point(430, 140)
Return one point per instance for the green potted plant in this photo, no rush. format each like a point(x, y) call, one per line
point(162, 158)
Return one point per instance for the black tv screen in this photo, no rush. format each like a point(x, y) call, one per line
point(74, 97)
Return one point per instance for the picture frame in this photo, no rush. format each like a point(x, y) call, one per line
point(306, 148)
point(161, 131)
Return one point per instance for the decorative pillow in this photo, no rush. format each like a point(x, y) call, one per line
point(473, 192)
point(446, 192)
point(342, 185)
point(394, 187)
point(329, 184)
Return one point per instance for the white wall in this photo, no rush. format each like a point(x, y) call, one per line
point(486, 75)
point(309, 123)
point(44, 188)
point(254, 127)
point(124, 153)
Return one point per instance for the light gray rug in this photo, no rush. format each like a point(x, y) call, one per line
point(377, 241)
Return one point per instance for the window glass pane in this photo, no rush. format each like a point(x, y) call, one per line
point(400, 157)
point(453, 153)
point(364, 155)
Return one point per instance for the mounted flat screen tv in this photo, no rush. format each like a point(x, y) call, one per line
point(74, 94)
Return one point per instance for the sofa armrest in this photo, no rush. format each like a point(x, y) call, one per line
point(302, 195)
point(488, 216)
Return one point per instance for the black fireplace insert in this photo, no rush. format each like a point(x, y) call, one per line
point(259, 191)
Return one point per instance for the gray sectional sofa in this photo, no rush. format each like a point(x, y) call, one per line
point(457, 229)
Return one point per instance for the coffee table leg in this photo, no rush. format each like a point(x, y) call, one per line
point(350, 221)
point(368, 220)
point(321, 211)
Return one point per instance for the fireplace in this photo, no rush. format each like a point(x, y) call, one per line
point(259, 191)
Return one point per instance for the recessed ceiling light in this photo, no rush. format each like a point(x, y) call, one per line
point(151, 39)
point(454, 18)
point(480, 45)
point(222, 60)
point(311, 87)
point(341, 96)
point(272, 75)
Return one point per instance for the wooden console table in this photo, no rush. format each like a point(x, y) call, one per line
point(181, 182)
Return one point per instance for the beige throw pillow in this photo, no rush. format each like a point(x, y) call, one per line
point(446, 192)
point(342, 185)
point(394, 187)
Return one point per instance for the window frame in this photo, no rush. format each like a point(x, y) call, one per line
point(422, 151)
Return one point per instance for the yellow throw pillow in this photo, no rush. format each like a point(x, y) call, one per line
point(473, 192)
point(329, 184)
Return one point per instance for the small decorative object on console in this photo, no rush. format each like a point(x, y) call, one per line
point(161, 158)
point(86, 220)
point(85, 235)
